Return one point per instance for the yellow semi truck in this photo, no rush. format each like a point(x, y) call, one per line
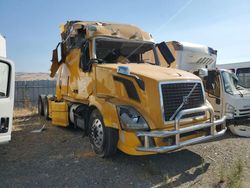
point(110, 85)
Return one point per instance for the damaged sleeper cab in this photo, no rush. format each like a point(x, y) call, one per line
point(110, 85)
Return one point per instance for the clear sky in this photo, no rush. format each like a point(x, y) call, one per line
point(31, 27)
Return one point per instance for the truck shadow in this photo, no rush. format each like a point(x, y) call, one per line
point(171, 169)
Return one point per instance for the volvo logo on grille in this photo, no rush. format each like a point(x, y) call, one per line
point(185, 100)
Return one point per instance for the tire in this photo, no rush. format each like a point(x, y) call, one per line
point(40, 106)
point(46, 108)
point(103, 139)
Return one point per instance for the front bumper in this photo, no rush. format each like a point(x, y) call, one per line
point(212, 124)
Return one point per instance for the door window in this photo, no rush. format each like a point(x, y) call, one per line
point(216, 91)
point(212, 84)
point(85, 57)
point(4, 79)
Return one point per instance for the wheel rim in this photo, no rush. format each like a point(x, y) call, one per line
point(97, 133)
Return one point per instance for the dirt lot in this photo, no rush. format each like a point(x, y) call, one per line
point(61, 157)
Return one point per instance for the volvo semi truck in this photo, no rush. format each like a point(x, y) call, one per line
point(110, 85)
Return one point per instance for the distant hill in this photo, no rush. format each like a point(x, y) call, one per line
point(25, 76)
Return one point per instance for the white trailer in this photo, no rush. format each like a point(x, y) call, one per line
point(222, 89)
point(7, 84)
point(242, 71)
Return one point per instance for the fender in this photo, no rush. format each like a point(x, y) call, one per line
point(108, 111)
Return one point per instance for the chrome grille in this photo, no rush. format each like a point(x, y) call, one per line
point(173, 95)
point(243, 113)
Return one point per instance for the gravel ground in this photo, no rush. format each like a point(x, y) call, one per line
point(62, 157)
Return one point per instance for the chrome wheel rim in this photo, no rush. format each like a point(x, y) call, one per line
point(97, 133)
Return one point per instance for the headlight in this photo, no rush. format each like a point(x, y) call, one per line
point(131, 119)
point(229, 108)
point(229, 111)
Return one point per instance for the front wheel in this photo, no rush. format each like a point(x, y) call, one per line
point(103, 139)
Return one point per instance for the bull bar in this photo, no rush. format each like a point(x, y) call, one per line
point(177, 131)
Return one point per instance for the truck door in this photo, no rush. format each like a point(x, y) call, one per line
point(6, 99)
point(213, 89)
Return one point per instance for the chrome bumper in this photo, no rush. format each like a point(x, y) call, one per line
point(177, 131)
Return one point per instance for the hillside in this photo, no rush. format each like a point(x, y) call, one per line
point(24, 76)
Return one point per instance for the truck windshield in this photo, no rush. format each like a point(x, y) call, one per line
point(230, 82)
point(244, 77)
point(125, 51)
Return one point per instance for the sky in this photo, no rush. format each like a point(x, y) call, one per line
point(31, 27)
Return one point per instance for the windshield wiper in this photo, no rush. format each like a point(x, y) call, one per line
point(239, 90)
point(149, 63)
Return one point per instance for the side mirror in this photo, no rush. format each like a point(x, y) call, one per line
point(165, 52)
point(203, 73)
point(55, 62)
point(55, 56)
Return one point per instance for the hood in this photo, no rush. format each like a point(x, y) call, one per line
point(154, 72)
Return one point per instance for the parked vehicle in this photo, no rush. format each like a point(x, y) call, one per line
point(7, 83)
point(108, 85)
point(222, 87)
point(242, 71)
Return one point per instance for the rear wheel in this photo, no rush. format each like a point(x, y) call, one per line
point(46, 107)
point(40, 106)
point(103, 139)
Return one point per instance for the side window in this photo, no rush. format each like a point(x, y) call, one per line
point(4, 79)
point(217, 86)
point(148, 57)
point(243, 75)
point(84, 61)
